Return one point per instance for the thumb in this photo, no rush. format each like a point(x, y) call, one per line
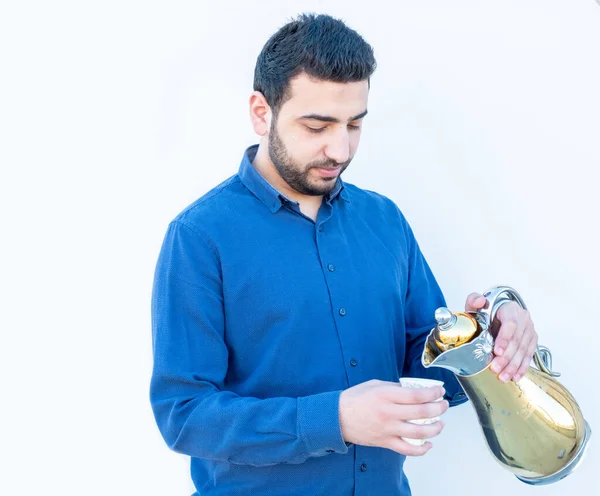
point(474, 302)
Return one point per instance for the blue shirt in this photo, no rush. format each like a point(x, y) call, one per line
point(261, 317)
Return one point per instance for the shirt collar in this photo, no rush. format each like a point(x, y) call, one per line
point(263, 190)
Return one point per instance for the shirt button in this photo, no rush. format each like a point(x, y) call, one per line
point(363, 467)
point(342, 311)
point(354, 362)
point(331, 267)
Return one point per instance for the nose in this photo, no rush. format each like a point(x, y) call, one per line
point(338, 148)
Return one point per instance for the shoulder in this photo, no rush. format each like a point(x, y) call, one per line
point(212, 207)
point(375, 205)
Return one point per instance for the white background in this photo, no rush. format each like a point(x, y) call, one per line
point(484, 127)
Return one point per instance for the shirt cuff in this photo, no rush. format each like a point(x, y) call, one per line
point(319, 423)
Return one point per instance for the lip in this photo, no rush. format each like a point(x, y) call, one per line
point(328, 172)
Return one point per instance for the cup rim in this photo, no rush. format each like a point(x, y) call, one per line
point(421, 381)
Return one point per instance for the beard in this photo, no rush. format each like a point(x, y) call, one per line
point(298, 176)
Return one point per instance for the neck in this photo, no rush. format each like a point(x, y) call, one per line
point(309, 204)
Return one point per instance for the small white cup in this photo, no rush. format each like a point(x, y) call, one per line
point(418, 383)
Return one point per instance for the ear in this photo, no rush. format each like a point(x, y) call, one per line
point(260, 113)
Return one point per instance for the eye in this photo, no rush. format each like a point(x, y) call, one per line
point(354, 127)
point(315, 129)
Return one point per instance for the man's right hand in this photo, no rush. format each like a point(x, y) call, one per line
point(375, 413)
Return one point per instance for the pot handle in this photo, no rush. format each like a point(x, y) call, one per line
point(497, 297)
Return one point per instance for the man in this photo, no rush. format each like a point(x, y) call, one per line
point(287, 303)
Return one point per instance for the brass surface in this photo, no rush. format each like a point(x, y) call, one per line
point(533, 427)
point(461, 332)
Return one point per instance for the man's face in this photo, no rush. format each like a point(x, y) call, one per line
point(316, 132)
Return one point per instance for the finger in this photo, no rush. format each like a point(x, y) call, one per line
point(474, 302)
point(400, 446)
point(517, 359)
point(499, 364)
point(509, 342)
point(509, 328)
point(418, 411)
point(528, 357)
point(420, 431)
point(403, 395)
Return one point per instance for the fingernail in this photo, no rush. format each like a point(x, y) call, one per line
point(517, 378)
point(495, 368)
point(504, 377)
point(499, 351)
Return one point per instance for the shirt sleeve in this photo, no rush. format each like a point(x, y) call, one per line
point(194, 411)
point(423, 297)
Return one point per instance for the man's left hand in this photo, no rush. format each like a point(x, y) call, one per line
point(515, 342)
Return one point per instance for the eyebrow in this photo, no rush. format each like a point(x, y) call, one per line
point(327, 118)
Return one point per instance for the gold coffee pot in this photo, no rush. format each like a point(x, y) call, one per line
point(533, 427)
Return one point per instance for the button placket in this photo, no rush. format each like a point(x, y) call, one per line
point(334, 280)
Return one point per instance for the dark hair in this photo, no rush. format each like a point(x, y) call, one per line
point(323, 47)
